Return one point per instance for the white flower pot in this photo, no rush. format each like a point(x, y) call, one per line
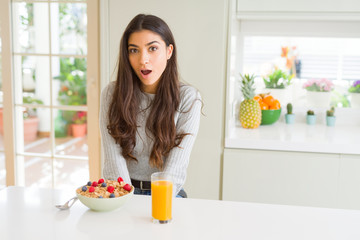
point(318, 99)
point(355, 100)
point(283, 95)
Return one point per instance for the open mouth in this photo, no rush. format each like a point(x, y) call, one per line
point(146, 72)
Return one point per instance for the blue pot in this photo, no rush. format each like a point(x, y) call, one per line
point(311, 119)
point(289, 118)
point(330, 121)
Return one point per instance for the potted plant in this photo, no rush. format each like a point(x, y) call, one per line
point(31, 121)
point(310, 117)
point(72, 91)
point(330, 117)
point(289, 116)
point(278, 79)
point(79, 124)
point(318, 92)
point(277, 82)
point(354, 91)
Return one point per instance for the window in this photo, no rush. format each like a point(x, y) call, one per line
point(335, 59)
point(50, 89)
point(327, 49)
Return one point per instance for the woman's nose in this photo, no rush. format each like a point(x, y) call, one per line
point(145, 58)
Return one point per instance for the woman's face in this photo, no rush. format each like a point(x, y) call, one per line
point(148, 55)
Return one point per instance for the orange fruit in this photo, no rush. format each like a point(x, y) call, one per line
point(275, 105)
point(263, 106)
point(268, 99)
point(258, 98)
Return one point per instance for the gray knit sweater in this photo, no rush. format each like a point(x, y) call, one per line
point(187, 120)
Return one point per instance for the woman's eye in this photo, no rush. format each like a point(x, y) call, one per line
point(152, 49)
point(133, 50)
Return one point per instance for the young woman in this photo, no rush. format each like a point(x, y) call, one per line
point(148, 119)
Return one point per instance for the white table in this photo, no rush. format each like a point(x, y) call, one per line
point(29, 213)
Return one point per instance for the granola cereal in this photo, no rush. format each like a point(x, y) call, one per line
point(105, 189)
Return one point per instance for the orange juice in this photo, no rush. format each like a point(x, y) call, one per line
point(161, 192)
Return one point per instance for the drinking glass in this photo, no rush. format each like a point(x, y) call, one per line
point(161, 197)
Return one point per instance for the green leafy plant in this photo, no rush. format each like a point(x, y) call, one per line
point(72, 85)
point(30, 112)
point(72, 81)
point(355, 87)
point(277, 79)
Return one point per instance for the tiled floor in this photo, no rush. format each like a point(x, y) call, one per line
point(44, 172)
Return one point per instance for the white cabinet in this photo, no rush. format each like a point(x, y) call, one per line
point(349, 182)
point(292, 178)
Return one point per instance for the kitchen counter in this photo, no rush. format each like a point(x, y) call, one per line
point(29, 213)
point(319, 138)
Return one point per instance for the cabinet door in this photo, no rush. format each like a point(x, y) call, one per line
point(308, 179)
point(349, 182)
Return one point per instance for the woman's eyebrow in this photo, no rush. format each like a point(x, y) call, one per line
point(134, 45)
point(152, 43)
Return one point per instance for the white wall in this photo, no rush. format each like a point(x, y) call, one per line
point(200, 30)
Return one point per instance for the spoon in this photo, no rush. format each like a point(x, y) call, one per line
point(68, 204)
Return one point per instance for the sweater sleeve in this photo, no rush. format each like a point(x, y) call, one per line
point(114, 163)
point(188, 122)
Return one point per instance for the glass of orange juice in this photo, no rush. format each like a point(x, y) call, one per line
point(161, 197)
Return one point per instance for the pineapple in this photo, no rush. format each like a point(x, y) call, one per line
point(250, 112)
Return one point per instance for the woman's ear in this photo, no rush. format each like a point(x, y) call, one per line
point(169, 51)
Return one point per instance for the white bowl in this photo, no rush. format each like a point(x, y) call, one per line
point(105, 204)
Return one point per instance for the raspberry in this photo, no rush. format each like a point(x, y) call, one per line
point(91, 189)
point(127, 187)
point(120, 179)
point(110, 189)
point(94, 184)
point(101, 181)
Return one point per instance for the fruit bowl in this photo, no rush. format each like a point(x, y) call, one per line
point(105, 204)
point(270, 116)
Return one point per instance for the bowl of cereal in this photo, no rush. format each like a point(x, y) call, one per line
point(105, 195)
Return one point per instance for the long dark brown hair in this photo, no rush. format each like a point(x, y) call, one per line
point(124, 106)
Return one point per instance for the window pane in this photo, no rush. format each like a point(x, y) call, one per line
point(71, 133)
point(30, 27)
point(332, 58)
point(32, 80)
point(69, 85)
point(69, 28)
point(37, 171)
point(305, 59)
point(70, 173)
point(33, 130)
